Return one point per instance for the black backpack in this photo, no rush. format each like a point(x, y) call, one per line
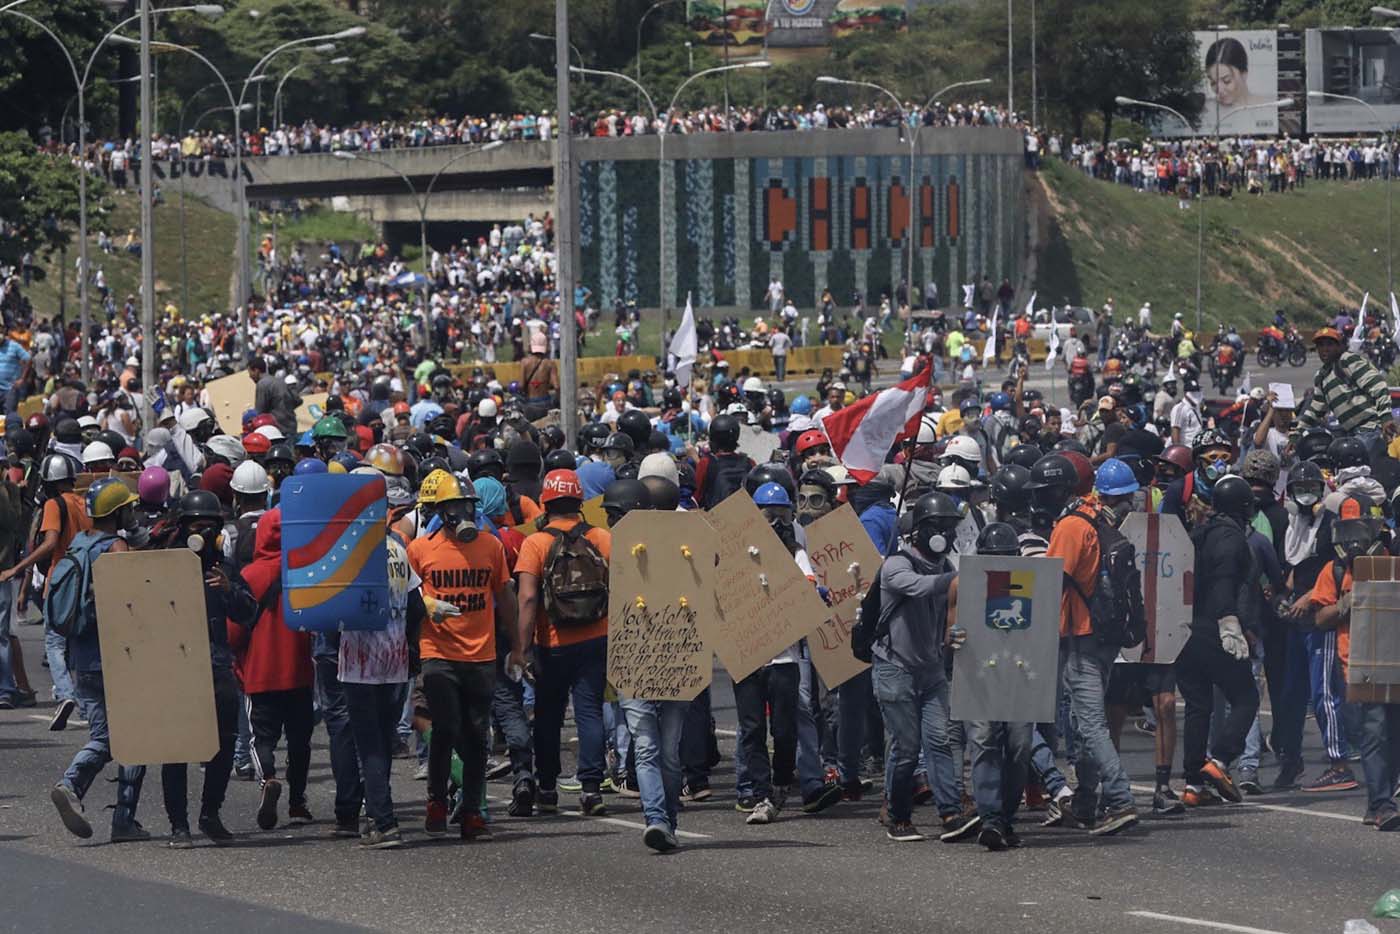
point(1116, 609)
point(724, 476)
point(868, 628)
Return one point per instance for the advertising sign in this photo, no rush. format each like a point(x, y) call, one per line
point(1359, 63)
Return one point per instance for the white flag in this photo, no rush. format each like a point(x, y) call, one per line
point(1395, 314)
point(1358, 333)
point(989, 349)
point(1052, 353)
point(683, 346)
point(1246, 385)
point(1030, 308)
point(968, 291)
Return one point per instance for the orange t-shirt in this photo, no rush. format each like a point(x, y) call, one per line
point(467, 575)
point(531, 561)
point(68, 527)
point(1324, 593)
point(1075, 540)
point(529, 509)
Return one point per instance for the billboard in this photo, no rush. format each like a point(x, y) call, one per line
point(749, 27)
point(1239, 70)
point(1360, 63)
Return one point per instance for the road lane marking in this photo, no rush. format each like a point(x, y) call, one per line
point(1202, 923)
point(1283, 808)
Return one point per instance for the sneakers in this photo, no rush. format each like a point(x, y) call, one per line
point(696, 793)
point(822, 798)
point(1248, 782)
point(474, 827)
point(495, 768)
point(402, 750)
point(992, 839)
point(1056, 810)
point(1288, 775)
point(744, 805)
point(297, 814)
point(1199, 797)
point(267, 804)
point(959, 827)
point(1146, 727)
point(376, 839)
point(1388, 821)
point(1165, 803)
point(522, 798)
point(70, 811)
point(659, 838)
point(904, 832)
point(590, 804)
point(420, 774)
point(569, 783)
point(62, 712)
point(1012, 838)
point(180, 839)
point(244, 772)
point(130, 833)
point(1336, 778)
point(347, 829)
point(1215, 773)
point(435, 822)
point(548, 801)
point(212, 827)
point(1115, 821)
point(764, 812)
point(853, 791)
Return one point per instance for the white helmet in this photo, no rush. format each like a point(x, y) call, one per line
point(928, 430)
point(56, 467)
point(954, 477)
point(229, 448)
point(737, 408)
point(87, 421)
point(190, 419)
point(963, 448)
point(754, 384)
point(271, 433)
point(250, 478)
point(486, 408)
point(97, 451)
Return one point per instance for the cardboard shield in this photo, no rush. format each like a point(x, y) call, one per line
point(335, 568)
point(661, 598)
point(156, 671)
point(230, 397)
point(847, 564)
point(1010, 609)
point(1373, 670)
point(1167, 560)
point(757, 443)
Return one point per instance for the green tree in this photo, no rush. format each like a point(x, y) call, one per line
point(35, 82)
point(38, 198)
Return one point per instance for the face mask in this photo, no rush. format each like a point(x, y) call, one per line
point(1306, 499)
point(1215, 469)
point(935, 543)
point(460, 519)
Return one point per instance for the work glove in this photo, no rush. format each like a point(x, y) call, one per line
point(957, 637)
point(1232, 638)
point(1344, 604)
point(440, 610)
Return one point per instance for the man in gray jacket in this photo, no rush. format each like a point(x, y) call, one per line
point(909, 679)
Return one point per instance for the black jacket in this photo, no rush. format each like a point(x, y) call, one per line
point(1226, 578)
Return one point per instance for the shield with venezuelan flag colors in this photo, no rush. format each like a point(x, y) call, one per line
point(335, 569)
point(1009, 599)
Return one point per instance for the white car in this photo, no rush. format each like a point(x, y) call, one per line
point(1068, 318)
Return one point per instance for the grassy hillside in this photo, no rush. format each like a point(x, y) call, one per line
point(209, 236)
point(1309, 251)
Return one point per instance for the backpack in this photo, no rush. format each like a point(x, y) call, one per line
point(724, 476)
point(69, 607)
point(245, 542)
point(1116, 610)
point(575, 578)
point(869, 628)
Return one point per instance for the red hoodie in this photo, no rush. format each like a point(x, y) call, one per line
point(269, 657)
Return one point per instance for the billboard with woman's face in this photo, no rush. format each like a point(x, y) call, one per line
point(1240, 72)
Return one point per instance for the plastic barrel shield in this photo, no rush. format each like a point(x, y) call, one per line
point(335, 570)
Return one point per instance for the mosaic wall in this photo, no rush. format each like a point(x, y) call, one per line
point(837, 222)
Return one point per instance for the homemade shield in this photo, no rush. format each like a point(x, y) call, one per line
point(847, 564)
point(1168, 561)
point(1010, 609)
point(156, 670)
point(1373, 670)
point(230, 397)
point(335, 569)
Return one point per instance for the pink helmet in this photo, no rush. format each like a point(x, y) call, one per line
point(154, 486)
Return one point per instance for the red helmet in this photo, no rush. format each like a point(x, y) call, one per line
point(1084, 469)
point(37, 422)
point(812, 438)
point(401, 408)
point(1178, 455)
point(261, 420)
point(257, 444)
point(561, 484)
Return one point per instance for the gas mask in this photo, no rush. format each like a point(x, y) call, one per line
point(326, 448)
point(812, 504)
point(1215, 468)
point(459, 516)
point(933, 538)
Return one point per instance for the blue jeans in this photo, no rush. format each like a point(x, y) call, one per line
point(56, 650)
point(7, 675)
point(577, 670)
point(810, 774)
point(1084, 669)
point(1001, 756)
point(656, 728)
point(1380, 754)
point(508, 713)
point(617, 735)
point(91, 759)
point(914, 707)
point(853, 703)
point(345, 761)
point(374, 716)
point(1043, 765)
point(404, 729)
point(243, 746)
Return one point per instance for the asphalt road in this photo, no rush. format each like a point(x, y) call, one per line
point(1289, 863)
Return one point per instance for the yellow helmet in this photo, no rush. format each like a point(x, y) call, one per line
point(427, 491)
point(451, 488)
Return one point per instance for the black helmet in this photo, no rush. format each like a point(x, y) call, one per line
point(724, 433)
point(1309, 473)
point(421, 444)
point(634, 424)
point(201, 504)
point(1009, 488)
point(617, 441)
point(1233, 496)
point(280, 452)
point(1052, 482)
point(685, 475)
point(67, 431)
point(1024, 455)
point(486, 463)
point(552, 437)
point(592, 436)
point(429, 464)
point(671, 398)
point(628, 471)
point(665, 495)
point(559, 459)
point(1343, 453)
point(1071, 444)
point(113, 440)
point(771, 473)
point(623, 496)
point(777, 400)
point(1313, 446)
point(821, 478)
point(1352, 538)
point(998, 538)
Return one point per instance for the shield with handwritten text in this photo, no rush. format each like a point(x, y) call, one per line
point(335, 569)
point(1168, 562)
point(661, 591)
point(847, 563)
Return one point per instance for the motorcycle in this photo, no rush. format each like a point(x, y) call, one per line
point(1270, 349)
point(1294, 348)
point(1380, 350)
point(1224, 367)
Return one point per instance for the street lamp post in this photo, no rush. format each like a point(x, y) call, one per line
point(324, 49)
point(1201, 207)
point(651, 9)
point(1389, 174)
point(546, 37)
point(277, 96)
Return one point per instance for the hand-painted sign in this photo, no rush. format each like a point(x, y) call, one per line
point(335, 568)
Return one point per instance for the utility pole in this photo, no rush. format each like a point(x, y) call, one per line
point(564, 230)
point(148, 233)
point(1010, 72)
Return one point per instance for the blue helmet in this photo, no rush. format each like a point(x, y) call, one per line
point(306, 441)
point(1115, 478)
point(999, 401)
point(800, 406)
point(771, 494)
point(309, 465)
